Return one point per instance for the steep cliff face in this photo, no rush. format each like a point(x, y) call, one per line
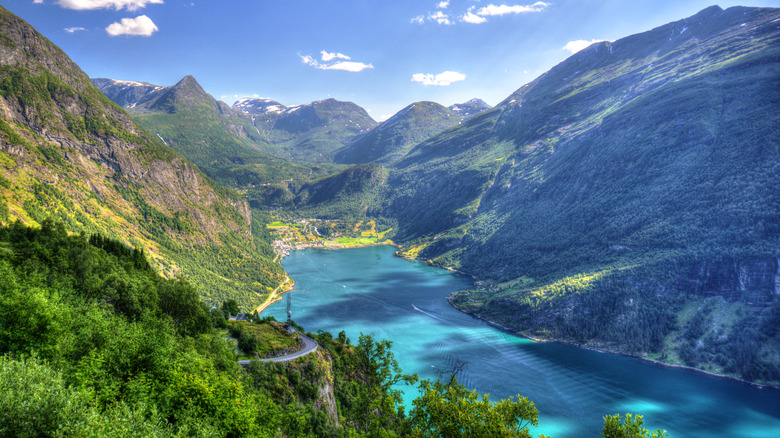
point(327, 397)
point(752, 281)
point(70, 153)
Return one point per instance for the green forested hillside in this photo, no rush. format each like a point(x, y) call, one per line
point(67, 152)
point(221, 141)
point(94, 343)
point(394, 137)
point(346, 195)
point(603, 199)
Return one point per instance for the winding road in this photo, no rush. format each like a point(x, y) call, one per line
point(309, 346)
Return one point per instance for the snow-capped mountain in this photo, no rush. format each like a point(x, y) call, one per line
point(312, 132)
point(126, 94)
point(258, 106)
point(470, 108)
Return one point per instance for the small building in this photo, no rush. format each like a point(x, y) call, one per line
point(240, 317)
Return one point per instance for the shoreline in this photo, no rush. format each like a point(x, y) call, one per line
point(284, 251)
point(534, 339)
point(618, 353)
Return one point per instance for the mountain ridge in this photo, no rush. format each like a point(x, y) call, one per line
point(74, 155)
point(393, 138)
point(607, 200)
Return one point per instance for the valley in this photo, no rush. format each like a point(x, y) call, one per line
point(625, 201)
point(652, 137)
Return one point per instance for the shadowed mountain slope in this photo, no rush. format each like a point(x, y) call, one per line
point(394, 137)
point(632, 181)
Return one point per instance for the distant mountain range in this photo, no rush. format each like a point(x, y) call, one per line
point(396, 136)
point(316, 132)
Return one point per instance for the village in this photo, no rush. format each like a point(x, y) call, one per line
point(294, 234)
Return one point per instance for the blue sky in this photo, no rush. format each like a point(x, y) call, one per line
point(380, 54)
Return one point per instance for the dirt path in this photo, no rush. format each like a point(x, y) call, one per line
point(273, 297)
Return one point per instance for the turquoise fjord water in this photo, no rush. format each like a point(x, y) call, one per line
point(369, 290)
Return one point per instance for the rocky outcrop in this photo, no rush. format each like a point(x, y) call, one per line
point(327, 398)
point(754, 281)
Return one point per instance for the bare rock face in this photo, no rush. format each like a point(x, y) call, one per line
point(754, 281)
point(327, 398)
point(777, 277)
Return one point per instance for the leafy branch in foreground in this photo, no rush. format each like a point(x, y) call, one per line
point(631, 427)
point(451, 410)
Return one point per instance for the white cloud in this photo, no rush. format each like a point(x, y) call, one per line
point(471, 17)
point(339, 65)
point(330, 56)
point(440, 17)
point(492, 9)
point(74, 29)
point(140, 25)
point(37, 2)
point(442, 79)
point(346, 66)
point(577, 45)
point(131, 5)
point(477, 16)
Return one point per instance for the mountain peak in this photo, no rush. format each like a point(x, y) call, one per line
point(258, 106)
point(708, 12)
point(470, 108)
point(189, 82)
point(187, 93)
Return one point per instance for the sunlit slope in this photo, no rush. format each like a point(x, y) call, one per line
point(69, 153)
point(221, 141)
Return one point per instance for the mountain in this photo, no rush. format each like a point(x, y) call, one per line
point(218, 139)
point(345, 195)
point(470, 108)
point(310, 133)
point(394, 137)
point(256, 106)
point(126, 94)
point(626, 199)
point(140, 97)
point(70, 154)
